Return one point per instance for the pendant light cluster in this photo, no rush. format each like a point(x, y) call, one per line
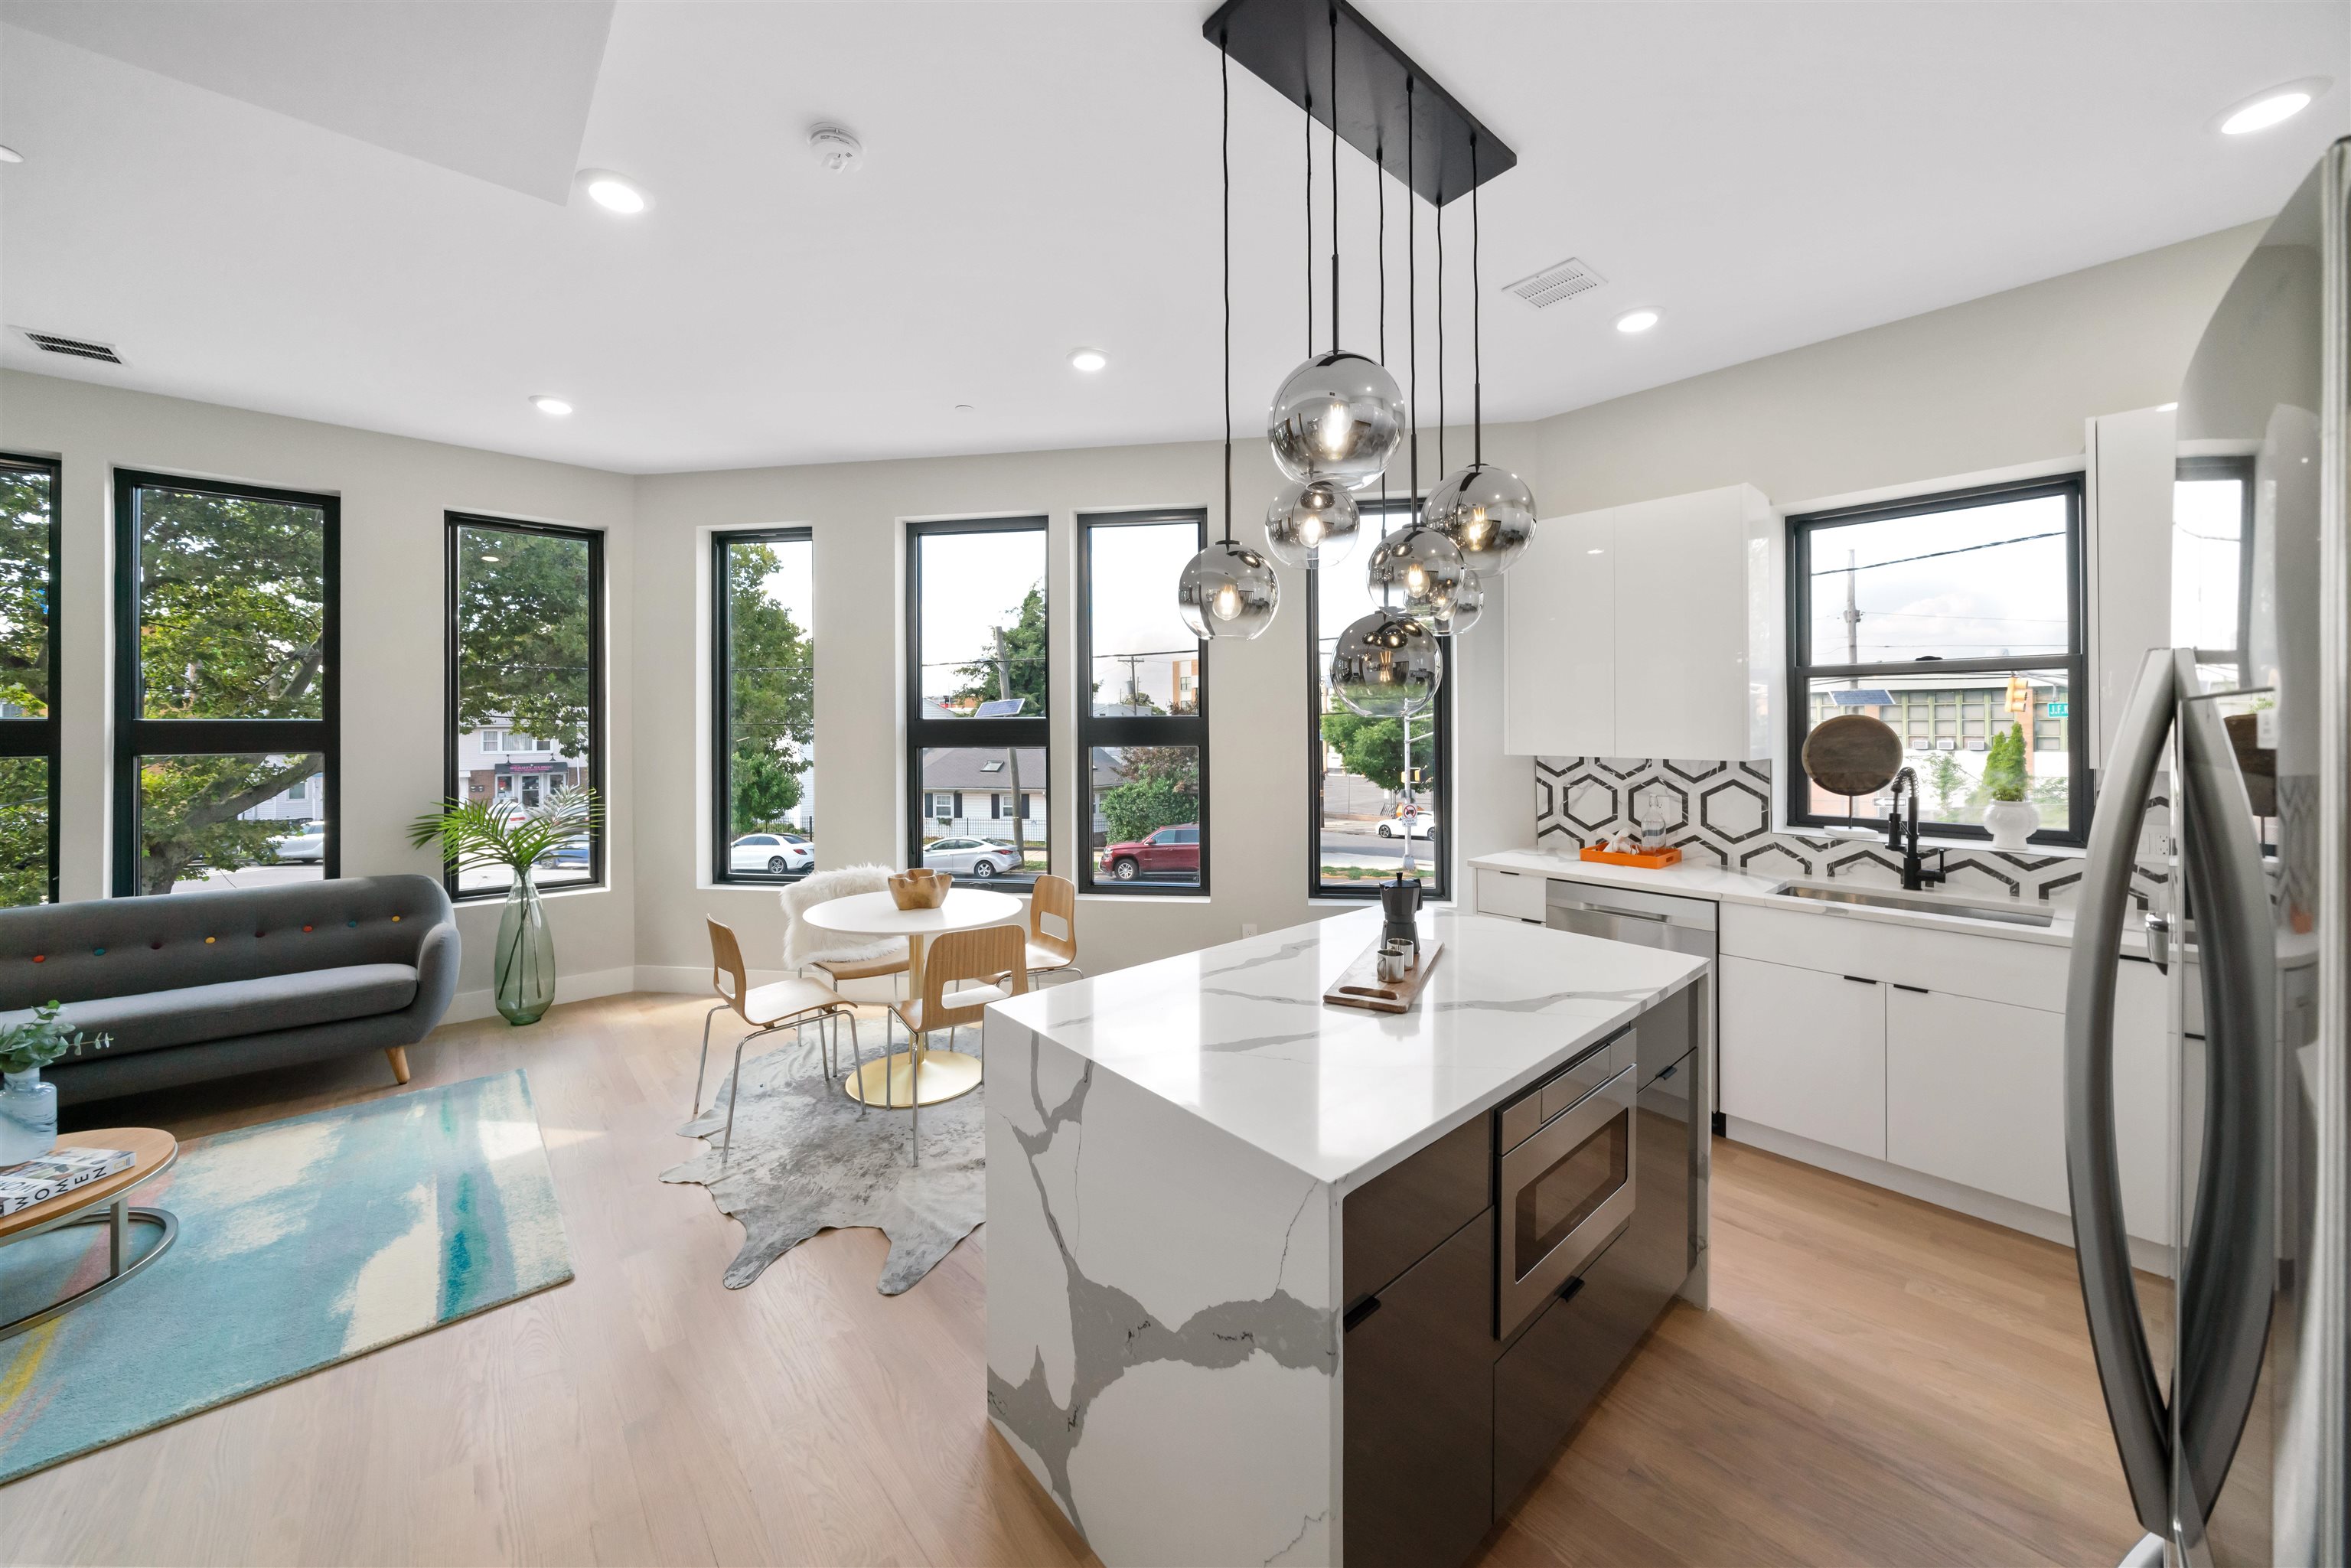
point(1335, 424)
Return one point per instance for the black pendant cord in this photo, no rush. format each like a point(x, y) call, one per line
point(1476, 321)
point(1310, 222)
point(1380, 186)
point(1440, 338)
point(1334, 179)
point(1224, 158)
point(1412, 276)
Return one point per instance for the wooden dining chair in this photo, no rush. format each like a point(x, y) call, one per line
point(785, 1004)
point(994, 957)
point(1053, 928)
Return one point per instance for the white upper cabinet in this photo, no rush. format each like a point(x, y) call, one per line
point(2132, 462)
point(1628, 631)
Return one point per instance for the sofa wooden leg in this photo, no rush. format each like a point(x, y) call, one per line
point(398, 1056)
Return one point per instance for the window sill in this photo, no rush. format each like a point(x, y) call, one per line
point(490, 898)
point(1146, 892)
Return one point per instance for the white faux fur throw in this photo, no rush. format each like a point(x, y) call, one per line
point(805, 944)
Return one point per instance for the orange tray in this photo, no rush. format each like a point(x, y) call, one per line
point(1657, 862)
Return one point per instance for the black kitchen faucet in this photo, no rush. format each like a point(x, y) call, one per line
point(1915, 876)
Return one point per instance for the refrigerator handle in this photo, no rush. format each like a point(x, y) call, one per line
point(2228, 1269)
point(2135, 1404)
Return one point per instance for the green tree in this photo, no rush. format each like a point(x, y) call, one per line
point(2003, 776)
point(771, 702)
point(1024, 658)
point(1162, 790)
point(1373, 749)
point(232, 616)
point(1947, 778)
point(522, 635)
point(27, 514)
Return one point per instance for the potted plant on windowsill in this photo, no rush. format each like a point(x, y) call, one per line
point(28, 1107)
point(472, 833)
point(2011, 818)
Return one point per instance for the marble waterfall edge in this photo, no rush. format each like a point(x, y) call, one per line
point(1163, 1349)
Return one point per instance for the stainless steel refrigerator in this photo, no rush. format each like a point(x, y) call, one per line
point(2231, 1418)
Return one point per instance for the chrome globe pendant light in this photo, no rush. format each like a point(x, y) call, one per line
point(1227, 590)
point(1387, 666)
point(1338, 417)
point(1488, 512)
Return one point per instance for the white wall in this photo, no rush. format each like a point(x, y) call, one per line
point(1995, 382)
point(394, 492)
point(1259, 691)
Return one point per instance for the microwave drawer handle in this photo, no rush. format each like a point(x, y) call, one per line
point(1624, 913)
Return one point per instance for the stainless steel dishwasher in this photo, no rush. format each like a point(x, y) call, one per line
point(1647, 920)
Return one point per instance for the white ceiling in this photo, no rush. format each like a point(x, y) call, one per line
point(347, 214)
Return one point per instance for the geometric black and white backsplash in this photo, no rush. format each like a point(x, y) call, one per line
point(1721, 812)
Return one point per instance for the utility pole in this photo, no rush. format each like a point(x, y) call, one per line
point(1019, 821)
point(1852, 620)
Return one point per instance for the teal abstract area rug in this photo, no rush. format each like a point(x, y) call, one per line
point(302, 1243)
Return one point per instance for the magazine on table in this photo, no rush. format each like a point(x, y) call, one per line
point(60, 1170)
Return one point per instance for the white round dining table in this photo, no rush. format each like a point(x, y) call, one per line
point(877, 914)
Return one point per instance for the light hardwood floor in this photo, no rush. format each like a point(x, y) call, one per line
point(1879, 1382)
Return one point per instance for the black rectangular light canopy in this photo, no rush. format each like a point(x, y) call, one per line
point(1288, 43)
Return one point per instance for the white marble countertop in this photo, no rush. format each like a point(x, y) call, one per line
point(1723, 886)
point(1239, 1034)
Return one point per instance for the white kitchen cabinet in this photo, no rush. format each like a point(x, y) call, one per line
point(1627, 632)
point(1975, 1094)
point(1512, 894)
point(1804, 1052)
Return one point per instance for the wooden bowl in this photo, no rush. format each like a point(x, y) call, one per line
point(920, 889)
point(1852, 754)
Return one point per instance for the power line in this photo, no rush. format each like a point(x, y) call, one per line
point(1934, 555)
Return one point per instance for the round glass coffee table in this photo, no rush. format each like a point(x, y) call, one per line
point(106, 1201)
point(946, 1073)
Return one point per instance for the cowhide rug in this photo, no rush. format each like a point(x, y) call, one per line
point(804, 1162)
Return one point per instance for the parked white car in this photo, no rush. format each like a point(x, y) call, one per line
point(306, 845)
point(971, 857)
point(1423, 827)
point(774, 853)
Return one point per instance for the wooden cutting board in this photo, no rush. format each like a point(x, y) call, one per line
point(1361, 986)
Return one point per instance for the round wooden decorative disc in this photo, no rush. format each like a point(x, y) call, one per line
point(1852, 754)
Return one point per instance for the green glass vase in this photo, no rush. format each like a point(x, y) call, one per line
point(525, 971)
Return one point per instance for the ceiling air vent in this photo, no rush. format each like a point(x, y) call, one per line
point(1553, 284)
point(79, 348)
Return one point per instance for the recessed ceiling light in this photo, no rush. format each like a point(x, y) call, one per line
point(1089, 360)
point(10, 155)
point(554, 406)
point(613, 192)
point(2274, 107)
point(1636, 320)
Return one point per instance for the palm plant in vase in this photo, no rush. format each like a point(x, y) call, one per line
point(2010, 817)
point(28, 1107)
point(476, 834)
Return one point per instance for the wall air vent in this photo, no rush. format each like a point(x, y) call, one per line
point(80, 349)
point(1553, 284)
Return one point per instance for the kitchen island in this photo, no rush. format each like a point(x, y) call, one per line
point(1252, 1289)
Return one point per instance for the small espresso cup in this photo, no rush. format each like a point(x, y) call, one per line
point(1395, 960)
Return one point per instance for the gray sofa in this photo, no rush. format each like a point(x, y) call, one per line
point(195, 986)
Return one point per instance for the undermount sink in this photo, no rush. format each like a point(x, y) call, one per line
point(1917, 902)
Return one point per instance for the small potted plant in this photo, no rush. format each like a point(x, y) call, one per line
point(28, 1107)
point(479, 833)
point(2011, 818)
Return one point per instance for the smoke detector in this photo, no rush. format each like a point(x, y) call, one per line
point(1553, 284)
point(837, 150)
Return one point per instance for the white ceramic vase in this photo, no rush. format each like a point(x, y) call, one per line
point(2011, 823)
point(28, 1117)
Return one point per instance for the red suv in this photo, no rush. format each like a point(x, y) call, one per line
point(1176, 849)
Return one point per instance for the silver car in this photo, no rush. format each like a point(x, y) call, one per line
point(306, 845)
point(971, 857)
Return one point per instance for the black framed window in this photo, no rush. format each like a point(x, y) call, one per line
point(526, 681)
point(2211, 561)
point(226, 734)
point(763, 705)
point(1143, 728)
point(1956, 618)
point(29, 751)
point(1374, 788)
point(978, 697)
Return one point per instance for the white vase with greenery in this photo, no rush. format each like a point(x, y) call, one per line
point(28, 1107)
point(2011, 819)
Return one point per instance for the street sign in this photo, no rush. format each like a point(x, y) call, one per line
point(2061, 710)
